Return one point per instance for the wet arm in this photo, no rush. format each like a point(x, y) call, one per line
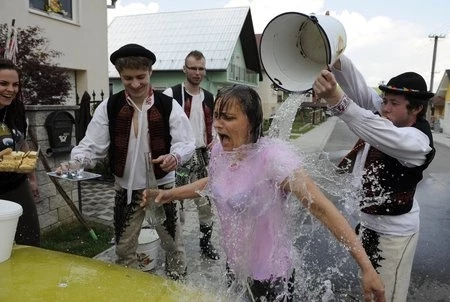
point(188, 191)
point(352, 82)
point(304, 188)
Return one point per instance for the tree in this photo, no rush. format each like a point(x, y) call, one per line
point(43, 82)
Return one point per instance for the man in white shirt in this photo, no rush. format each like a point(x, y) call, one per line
point(127, 126)
point(395, 147)
point(198, 105)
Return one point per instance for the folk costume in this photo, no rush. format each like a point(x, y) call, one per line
point(127, 161)
point(199, 109)
point(387, 164)
point(162, 128)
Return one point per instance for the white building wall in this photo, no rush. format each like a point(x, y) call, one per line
point(445, 122)
point(83, 41)
point(269, 99)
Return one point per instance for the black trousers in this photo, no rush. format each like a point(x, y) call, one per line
point(275, 289)
point(28, 230)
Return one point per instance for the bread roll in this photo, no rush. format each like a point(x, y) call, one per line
point(5, 152)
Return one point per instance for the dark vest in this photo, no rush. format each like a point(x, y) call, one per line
point(120, 115)
point(388, 186)
point(207, 104)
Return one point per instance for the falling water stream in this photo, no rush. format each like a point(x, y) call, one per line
point(322, 264)
point(281, 125)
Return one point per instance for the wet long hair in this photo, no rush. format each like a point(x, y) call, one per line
point(250, 103)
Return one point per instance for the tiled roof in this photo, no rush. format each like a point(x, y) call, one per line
point(171, 36)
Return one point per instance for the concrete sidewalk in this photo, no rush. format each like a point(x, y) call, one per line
point(315, 139)
point(441, 138)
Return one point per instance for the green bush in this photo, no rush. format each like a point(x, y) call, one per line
point(266, 124)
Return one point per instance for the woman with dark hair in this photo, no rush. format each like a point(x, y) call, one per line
point(17, 187)
point(250, 180)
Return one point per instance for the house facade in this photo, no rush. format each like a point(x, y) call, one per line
point(75, 28)
point(271, 97)
point(441, 105)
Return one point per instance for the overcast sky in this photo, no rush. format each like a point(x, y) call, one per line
point(384, 38)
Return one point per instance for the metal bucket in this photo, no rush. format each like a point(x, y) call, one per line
point(147, 251)
point(295, 47)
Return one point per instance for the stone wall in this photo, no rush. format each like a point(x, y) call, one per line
point(52, 209)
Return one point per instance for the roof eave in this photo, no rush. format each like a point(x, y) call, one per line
point(249, 46)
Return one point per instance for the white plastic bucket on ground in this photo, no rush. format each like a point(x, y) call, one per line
point(9, 216)
point(147, 251)
point(295, 47)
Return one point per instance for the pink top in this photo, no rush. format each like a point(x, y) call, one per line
point(245, 186)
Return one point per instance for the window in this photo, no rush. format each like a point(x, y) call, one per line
point(61, 8)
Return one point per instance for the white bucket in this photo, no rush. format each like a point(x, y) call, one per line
point(295, 47)
point(9, 216)
point(147, 250)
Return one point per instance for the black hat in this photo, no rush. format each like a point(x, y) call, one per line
point(409, 84)
point(132, 50)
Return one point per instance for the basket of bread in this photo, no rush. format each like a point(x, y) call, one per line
point(18, 161)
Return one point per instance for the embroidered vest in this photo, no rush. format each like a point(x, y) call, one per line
point(207, 104)
point(120, 115)
point(388, 186)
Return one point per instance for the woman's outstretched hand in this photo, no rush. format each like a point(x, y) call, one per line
point(160, 196)
point(372, 286)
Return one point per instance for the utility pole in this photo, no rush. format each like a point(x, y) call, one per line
point(430, 113)
point(435, 37)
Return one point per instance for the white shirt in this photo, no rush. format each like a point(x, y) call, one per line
point(197, 119)
point(196, 115)
point(96, 143)
point(407, 144)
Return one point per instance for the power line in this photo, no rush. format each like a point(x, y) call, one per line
point(445, 28)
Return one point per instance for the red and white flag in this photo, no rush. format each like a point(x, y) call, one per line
point(11, 48)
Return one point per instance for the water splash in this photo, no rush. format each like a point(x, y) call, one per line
point(318, 258)
point(281, 125)
point(328, 295)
